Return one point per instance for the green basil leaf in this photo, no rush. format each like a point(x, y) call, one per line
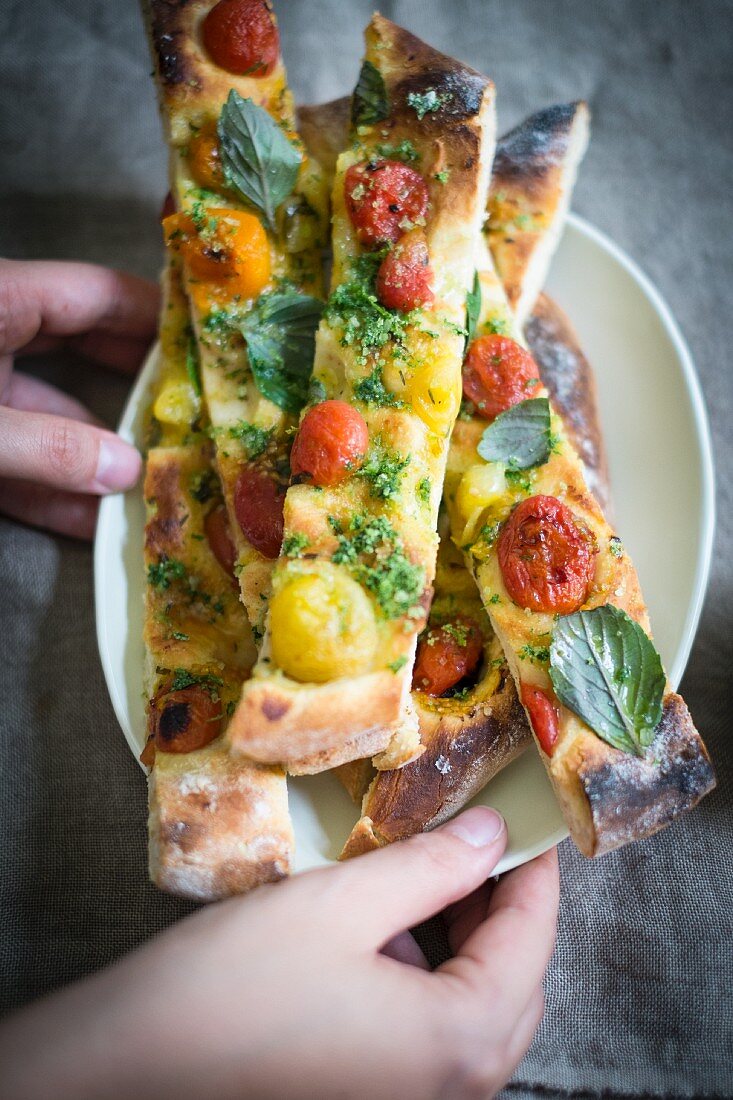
point(473, 309)
point(369, 103)
point(520, 437)
point(606, 670)
point(280, 335)
point(258, 160)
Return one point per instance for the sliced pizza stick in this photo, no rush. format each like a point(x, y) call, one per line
point(532, 180)
point(218, 824)
point(248, 220)
point(564, 599)
point(472, 733)
point(351, 589)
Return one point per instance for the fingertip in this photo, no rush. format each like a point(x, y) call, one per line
point(118, 466)
point(479, 827)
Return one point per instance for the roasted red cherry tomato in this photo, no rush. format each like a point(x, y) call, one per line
point(258, 504)
point(219, 538)
point(384, 198)
point(405, 278)
point(241, 37)
point(446, 654)
point(543, 715)
point(546, 558)
point(497, 374)
point(331, 443)
point(181, 721)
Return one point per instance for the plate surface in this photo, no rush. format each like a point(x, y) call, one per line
point(658, 444)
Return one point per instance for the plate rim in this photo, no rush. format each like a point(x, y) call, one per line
point(704, 545)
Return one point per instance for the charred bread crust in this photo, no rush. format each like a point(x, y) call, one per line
point(568, 376)
point(628, 797)
point(190, 85)
point(534, 172)
point(302, 724)
point(463, 751)
point(217, 825)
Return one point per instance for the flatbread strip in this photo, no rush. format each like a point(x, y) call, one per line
point(218, 824)
point(608, 797)
point(468, 741)
point(312, 726)
point(192, 91)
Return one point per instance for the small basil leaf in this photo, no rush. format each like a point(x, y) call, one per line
point(369, 103)
point(258, 160)
point(519, 437)
point(280, 336)
point(473, 309)
point(606, 670)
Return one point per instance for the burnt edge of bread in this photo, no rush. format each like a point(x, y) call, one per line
point(632, 797)
point(571, 384)
point(168, 37)
point(536, 145)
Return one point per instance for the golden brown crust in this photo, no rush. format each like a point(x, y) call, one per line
point(463, 751)
point(324, 129)
point(305, 738)
point(533, 174)
point(572, 386)
point(629, 797)
point(218, 825)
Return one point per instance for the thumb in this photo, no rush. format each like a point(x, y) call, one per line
point(64, 453)
point(384, 892)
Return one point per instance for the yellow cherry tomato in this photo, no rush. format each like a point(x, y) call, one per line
point(322, 626)
point(177, 403)
point(204, 159)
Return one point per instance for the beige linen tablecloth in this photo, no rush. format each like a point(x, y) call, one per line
point(639, 993)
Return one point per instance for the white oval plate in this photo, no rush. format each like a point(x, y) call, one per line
point(658, 444)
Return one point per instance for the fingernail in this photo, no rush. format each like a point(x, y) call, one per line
point(478, 827)
point(118, 466)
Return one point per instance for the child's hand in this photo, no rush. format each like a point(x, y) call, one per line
point(291, 993)
point(53, 454)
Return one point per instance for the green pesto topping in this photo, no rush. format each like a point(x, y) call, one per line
point(163, 573)
point(364, 322)
point(423, 490)
point(616, 547)
point(372, 391)
point(182, 678)
point(538, 654)
point(254, 438)
point(405, 151)
point(442, 177)
point(497, 325)
point(383, 470)
point(395, 666)
point(427, 102)
point(457, 631)
point(294, 545)
point(179, 636)
point(374, 552)
point(519, 479)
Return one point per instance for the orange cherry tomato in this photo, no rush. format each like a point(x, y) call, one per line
point(183, 720)
point(543, 716)
point(219, 537)
point(446, 654)
point(498, 373)
point(405, 278)
point(384, 198)
point(331, 443)
point(258, 504)
point(204, 159)
point(241, 37)
point(546, 558)
point(230, 249)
